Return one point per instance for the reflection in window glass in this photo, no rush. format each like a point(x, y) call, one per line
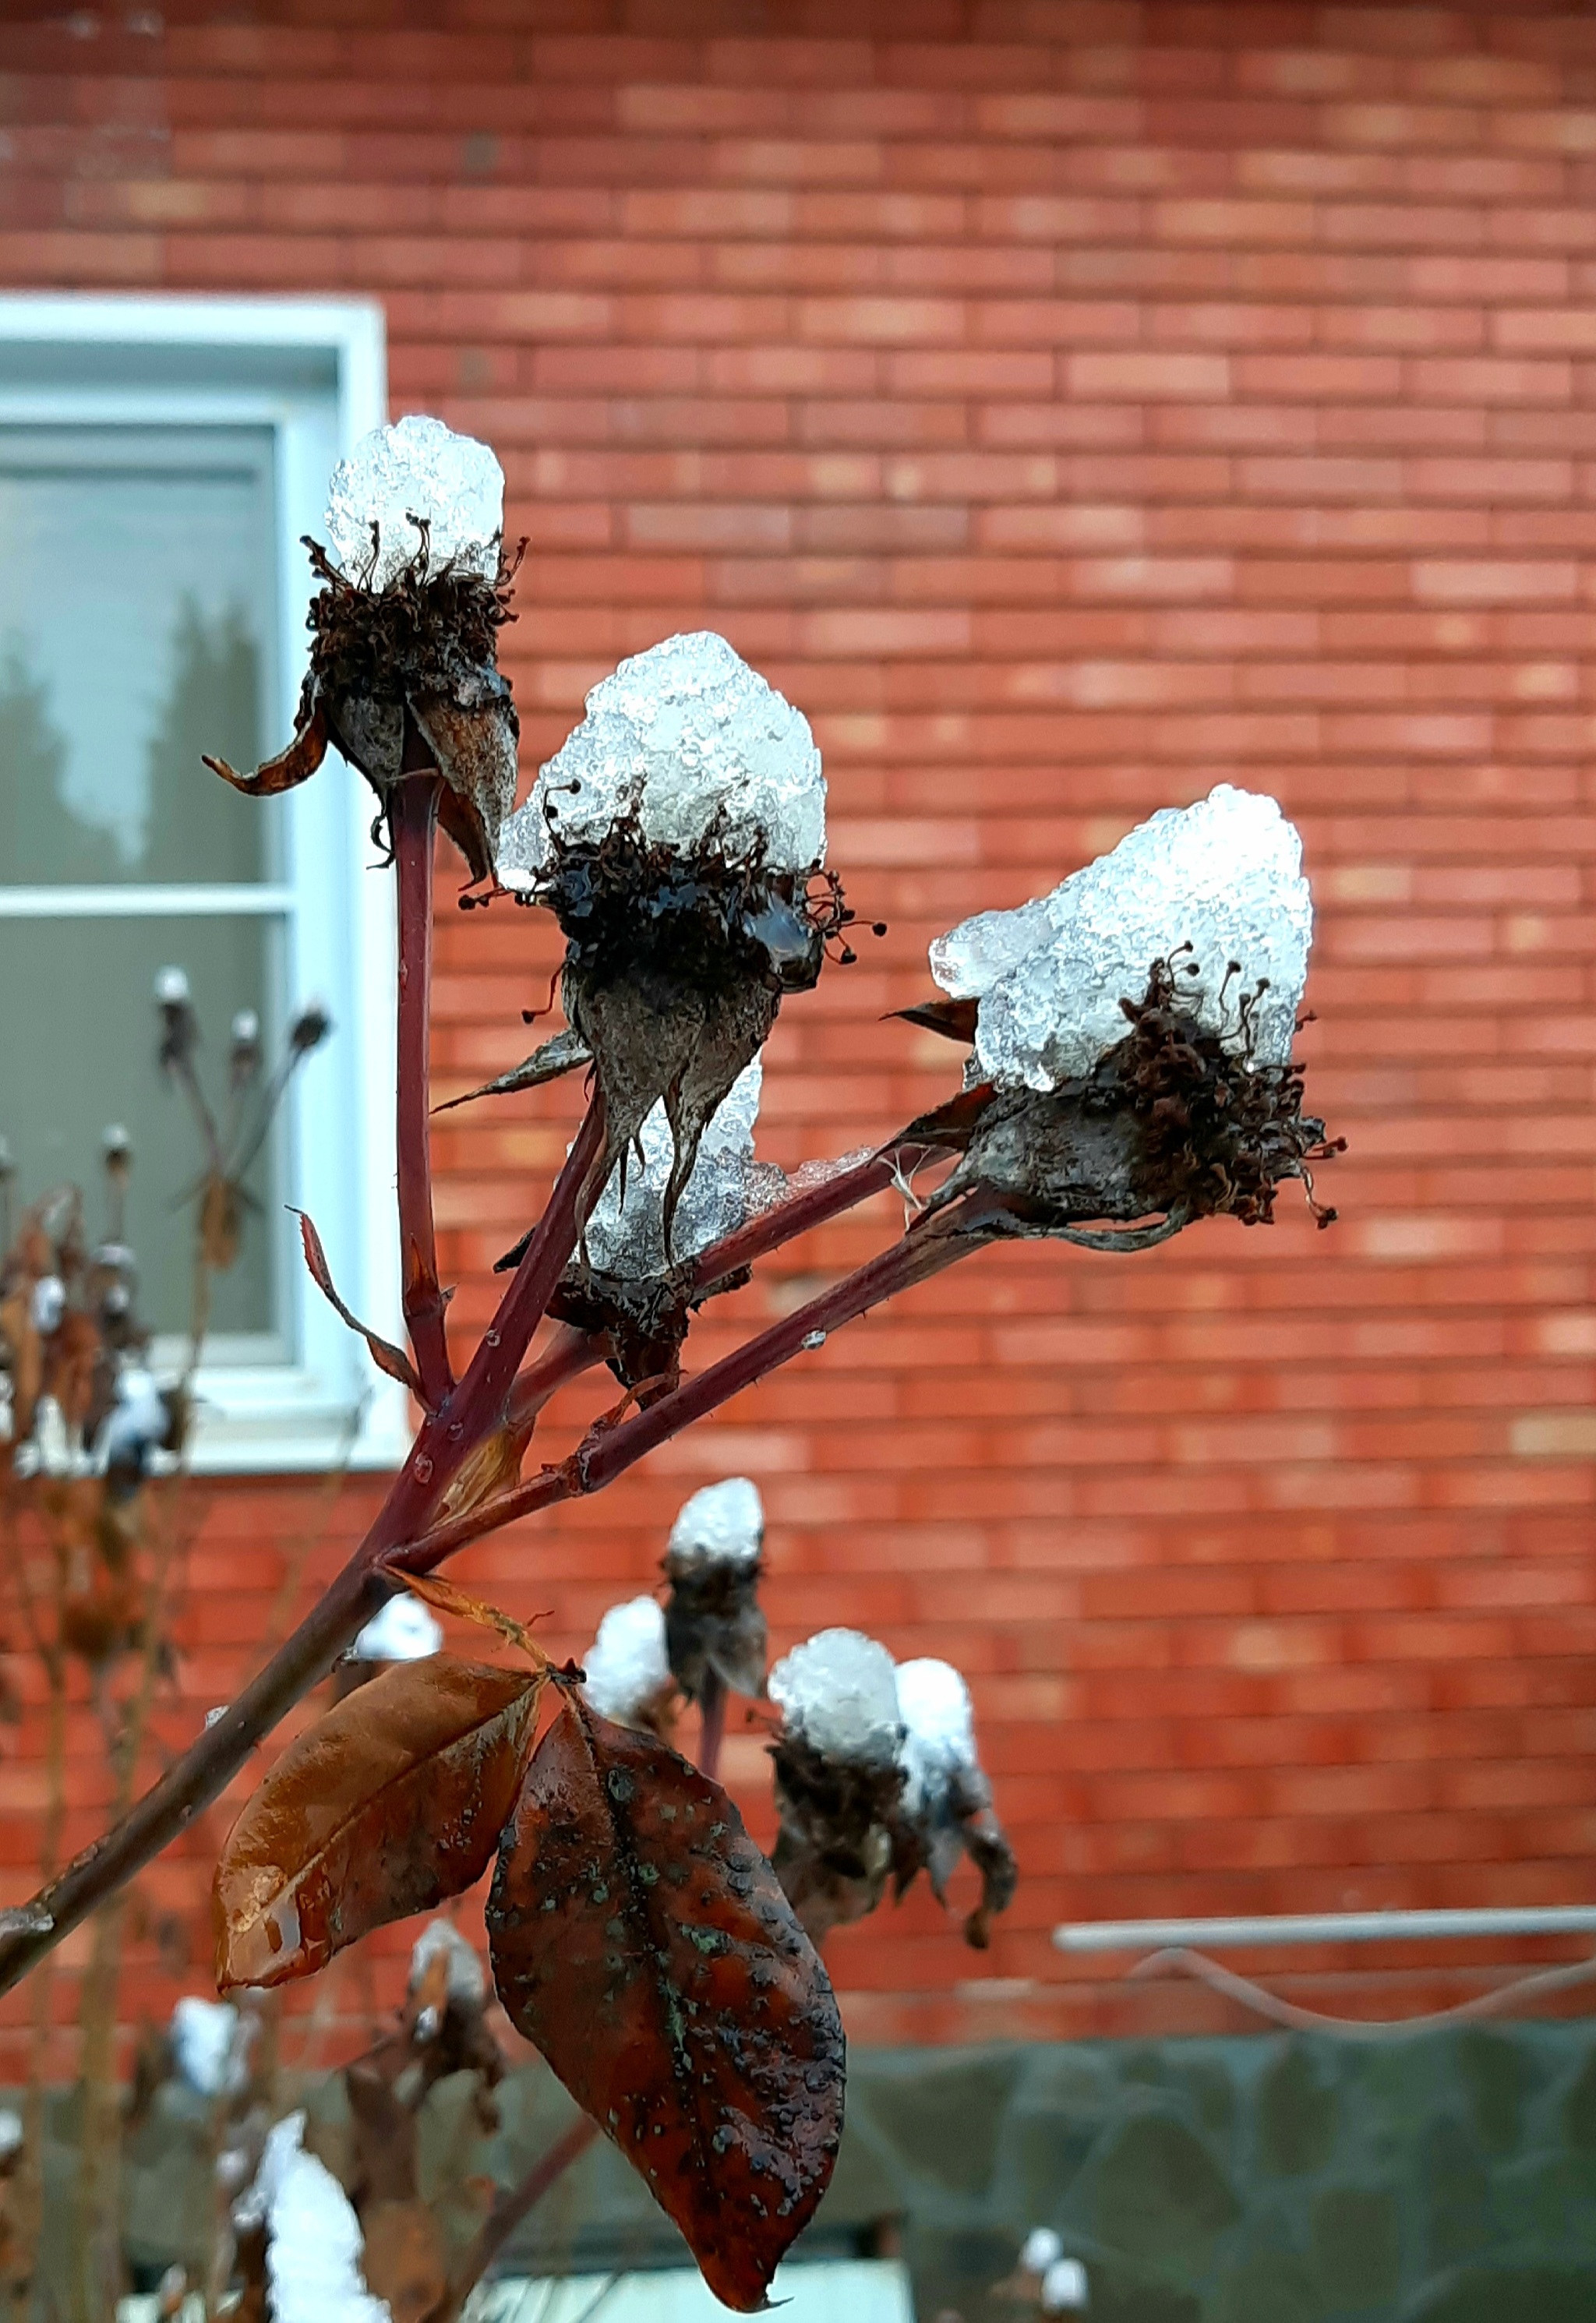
point(136, 615)
point(137, 629)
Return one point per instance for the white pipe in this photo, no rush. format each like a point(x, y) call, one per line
point(1323, 1928)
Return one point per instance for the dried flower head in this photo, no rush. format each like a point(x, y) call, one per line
point(676, 836)
point(714, 1623)
point(404, 632)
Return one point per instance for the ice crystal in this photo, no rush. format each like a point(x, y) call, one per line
point(136, 1422)
point(10, 2132)
point(1223, 877)
point(837, 1693)
point(403, 1631)
point(627, 1669)
point(724, 1524)
point(417, 468)
point(1064, 2286)
point(690, 740)
point(625, 1235)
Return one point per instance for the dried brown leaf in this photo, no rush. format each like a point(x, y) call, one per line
point(392, 1802)
point(444, 1598)
point(640, 1939)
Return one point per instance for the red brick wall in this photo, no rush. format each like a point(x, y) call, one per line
point(1071, 406)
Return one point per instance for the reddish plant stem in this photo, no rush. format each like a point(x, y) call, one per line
point(816, 1206)
point(412, 827)
point(406, 1532)
point(605, 1453)
point(567, 1355)
point(446, 1438)
point(508, 2212)
point(712, 1724)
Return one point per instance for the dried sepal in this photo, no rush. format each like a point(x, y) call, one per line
point(387, 1357)
point(290, 767)
point(565, 1053)
point(641, 1941)
point(392, 1802)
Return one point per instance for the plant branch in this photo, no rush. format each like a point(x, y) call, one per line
point(412, 826)
point(605, 1452)
point(508, 2213)
point(444, 1443)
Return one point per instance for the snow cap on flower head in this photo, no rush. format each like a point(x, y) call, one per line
point(838, 1691)
point(416, 469)
point(1202, 886)
point(687, 738)
point(724, 1524)
point(628, 1669)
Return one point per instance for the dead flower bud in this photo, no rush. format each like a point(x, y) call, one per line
point(1194, 933)
point(405, 628)
point(677, 837)
point(180, 1027)
point(244, 1059)
point(712, 1561)
point(309, 1029)
point(631, 1278)
point(7, 1166)
point(838, 1776)
point(626, 1672)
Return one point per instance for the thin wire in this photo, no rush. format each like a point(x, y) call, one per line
point(1179, 1960)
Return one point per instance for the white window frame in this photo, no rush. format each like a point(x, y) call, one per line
point(314, 373)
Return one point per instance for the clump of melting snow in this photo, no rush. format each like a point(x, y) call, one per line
point(467, 1985)
point(48, 1304)
point(314, 2243)
point(1065, 2287)
point(10, 2132)
point(1223, 877)
point(415, 468)
point(55, 1447)
point(1041, 2248)
point(939, 1732)
point(625, 1235)
point(628, 1667)
point(136, 1422)
point(205, 2047)
point(684, 737)
point(724, 1524)
point(403, 1631)
point(838, 1691)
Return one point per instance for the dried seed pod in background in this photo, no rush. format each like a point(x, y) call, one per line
point(713, 1620)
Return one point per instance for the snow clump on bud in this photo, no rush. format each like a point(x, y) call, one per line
point(683, 737)
point(206, 2049)
point(1041, 2248)
point(314, 2245)
point(1201, 887)
point(724, 1524)
point(624, 1234)
point(627, 1670)
point(397, 478)
point(938, 1734)
point(403, 1631)
point(837, 1693)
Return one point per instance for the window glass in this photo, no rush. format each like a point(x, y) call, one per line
point(138, 623)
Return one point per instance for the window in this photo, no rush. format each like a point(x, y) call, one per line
point(159, 462)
